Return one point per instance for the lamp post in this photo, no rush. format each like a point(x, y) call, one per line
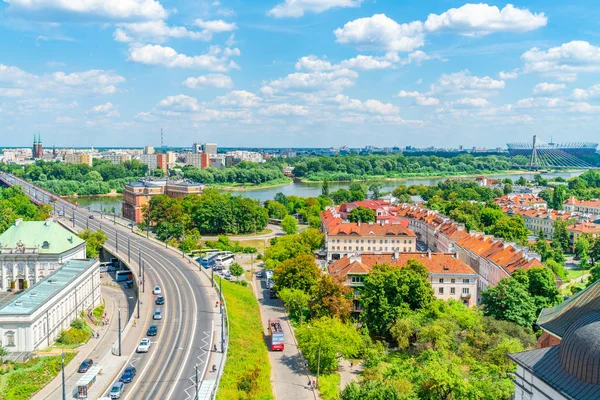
point(119, 327)
point(222, 317)
point(64, 387)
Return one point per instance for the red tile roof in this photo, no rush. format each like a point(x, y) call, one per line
point(353, 228)
point(585, 227)
point(585, 203)
point(523, 199)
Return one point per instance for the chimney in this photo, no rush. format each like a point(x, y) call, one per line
point(429, 255)
point(18, 221)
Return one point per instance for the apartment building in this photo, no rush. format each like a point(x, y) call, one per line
point(449, 277)
point(587, 228)
point(582, 206)
point(78, 158)
point(198, 160)
point(542, 219)
point(349, 238)
point(151, 160)
point(521, 200)
point(137, 194)
point(117, 158)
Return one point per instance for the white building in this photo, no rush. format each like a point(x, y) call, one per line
point(34, 318)
point(151, 160)
point(32, 250)
point(117, 158)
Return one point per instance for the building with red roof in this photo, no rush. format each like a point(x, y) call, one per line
point(582, 206)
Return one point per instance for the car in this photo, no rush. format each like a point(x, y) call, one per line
point(217, 268)
point(85, 365)
point(160, 300)
point(91, 217)
point(152, 330)
point(144, 346)
point(272, 294)
point(157, 314)
point(117, 390)
point(259, 275)
point(128, 374)
point(156, 290)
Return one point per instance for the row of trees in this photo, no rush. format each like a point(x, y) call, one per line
point(242, 173)
point(14, 204)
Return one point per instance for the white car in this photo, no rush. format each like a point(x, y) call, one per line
point(157, 290)
point(144, 346)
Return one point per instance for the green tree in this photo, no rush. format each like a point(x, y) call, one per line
point(289, 225)
point(560, 237)
point(276, 209)
point(542, 286)
point(341, 196)
point(236, 270)
point(511, 229)
point(559, 195)
point(372, 390)
point(330, 298)
point(509, 301)
point(582, 248)
point(489, 216)
point(300, 273)
point(330, 338)
point(375, 189)
point(595, 250)
point(542, 247)
point(3, 353)
point(296, 301)
point(94, 242)
point(362, 214)
point(521, 181)
point(325, 188)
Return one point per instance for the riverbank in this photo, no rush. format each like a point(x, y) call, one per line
point(243, 187)
point(426, 177)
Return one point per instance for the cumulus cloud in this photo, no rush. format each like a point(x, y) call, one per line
point(540, 102)
point(564, 61)
point(370, 106)
point(514, 74)
point(469, 102)
point(297, 8)
point(464, 83)
point(215, 60)
point(11, 92)
point(382, 32)
point(360, 62)
point(239, 98)
point(420, 99)
point(216, 26)
point(582, 94)
point(284, 109)
point(546, 87)
point(181, 103)
point(316, 81)
point(107, 109)
point(111, 9)
point(482, 19)
point(210, 80)
point(156, 31)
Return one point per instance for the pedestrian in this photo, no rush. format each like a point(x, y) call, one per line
point(351, 364)
point(309, 383)
point(314, 384)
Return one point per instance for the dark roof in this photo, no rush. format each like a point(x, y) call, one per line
point(557, 320)
point(545, 365)
point(580, 349)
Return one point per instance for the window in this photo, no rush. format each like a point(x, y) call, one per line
point(356, 279)
point(441, 280)
point(452, 280)
point(452, 290)
point(10, 339)
point(465, 290)
point(441, 290)
point(466, 280)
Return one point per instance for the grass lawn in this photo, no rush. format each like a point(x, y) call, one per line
point(265, 231)
point(576, 273)
point(329, 386)
point(20, 381)
point(98, 312)
point(259, 244)
point(78, 334)
point(247, 373)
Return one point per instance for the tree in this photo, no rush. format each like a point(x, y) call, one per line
point(329, 338)
point(521, 181)
point(559, 195)
point(511, 229)
point(489, 216)
point(362, 214)
point(330, 298)
point(509, 301)
point(276, 209)
point(582, 248)
point(594, 275)
point(372, 390)
point(389, 292)
point(3, 353)
point(300, 272)
point(341, 196)
point(325, 188)
point(375, 188)
point(542, 247)
point(542, 286)
point(595, 250)
point(94, 242)
point(236, 270)
point(289, 225)
point(560, 237)
point(296, 301)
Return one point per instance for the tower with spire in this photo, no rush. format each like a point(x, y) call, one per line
point(38, 151)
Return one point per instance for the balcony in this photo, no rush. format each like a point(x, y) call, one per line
point(465, 296)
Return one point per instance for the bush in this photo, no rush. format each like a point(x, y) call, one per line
point(79, 333)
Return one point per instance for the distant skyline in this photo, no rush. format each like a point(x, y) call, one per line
point(298, 73)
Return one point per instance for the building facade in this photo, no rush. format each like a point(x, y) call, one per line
point(78, 158)
point(151, 160)
point(582, 206)
point(116, 158)
point(34, 319)
point(32, 250)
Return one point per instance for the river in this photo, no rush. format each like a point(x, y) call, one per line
point(303, 189)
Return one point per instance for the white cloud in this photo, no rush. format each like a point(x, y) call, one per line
point(182, 103)
point(11, 92)
point(482, 19)
point(112, 9)
point(297, 8)
point(404, 93)
point(582, 94)
point(156, 31)
point(470, 103)
point(583, 107)
point(215, 60)
point(239, 98)
point(284, 110)
point(564, 61)
point(545, 87)
point(15, 75)
point(464, 83)
point(333, 81)
point(107, 109)
point(427, 101)
point(216, 26)
point(540, 102)
point(210, 80)
point(370, 106)
point(381, 32)
point(360, 62)
point(514, 74)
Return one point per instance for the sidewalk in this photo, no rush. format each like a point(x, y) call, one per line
point(96, 349)
point(349, 373)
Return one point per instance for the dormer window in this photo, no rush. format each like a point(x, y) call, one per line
point(45, 245)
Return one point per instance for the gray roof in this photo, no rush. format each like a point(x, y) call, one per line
point(31, 299)
point(557, 319)
point(580, 349)
point(545, 365)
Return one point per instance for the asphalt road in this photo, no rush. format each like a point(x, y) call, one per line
point(167, 371)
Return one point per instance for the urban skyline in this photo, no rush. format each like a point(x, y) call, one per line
point(293, 74)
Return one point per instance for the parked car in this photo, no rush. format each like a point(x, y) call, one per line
point(91, 217)
point(144, 346)
point(85, 365)
point(160, 300)
point(117, 390)
point(128, 374)
point(217, 268)
point(152, 330)
point(157, 315)
point(156, 290)
point(259, 275)
point(272, 294)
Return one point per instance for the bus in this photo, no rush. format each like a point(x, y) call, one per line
point(209, 260)
point(225, 259)
point(202, 252)
point(125, 275)
point(276, 334)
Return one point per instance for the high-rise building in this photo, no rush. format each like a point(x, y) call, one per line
point(194, 159)
point(209, 148)
point(148, 150)
point(38, 151)
point(162, 162)
point(151, 160)
point(197, 148)
point(78, 158)
point(117, 158)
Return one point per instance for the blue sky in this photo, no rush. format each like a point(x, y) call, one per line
point(298, 73)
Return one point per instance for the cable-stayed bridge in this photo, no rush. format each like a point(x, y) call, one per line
point(541, 155)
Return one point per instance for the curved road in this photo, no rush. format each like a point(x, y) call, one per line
point(167, 371)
